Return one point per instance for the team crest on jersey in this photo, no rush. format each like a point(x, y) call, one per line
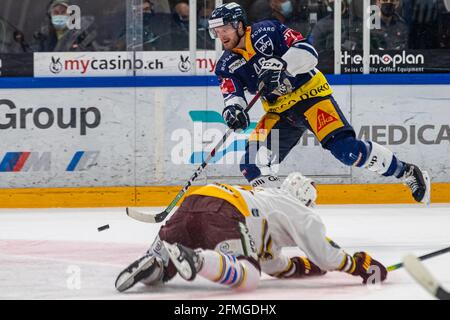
point(227, 86)
point(264, 45)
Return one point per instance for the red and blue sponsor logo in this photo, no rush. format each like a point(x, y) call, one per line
point(36, 161)
point(14, 161)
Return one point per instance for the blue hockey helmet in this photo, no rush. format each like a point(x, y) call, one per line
point(229, 13)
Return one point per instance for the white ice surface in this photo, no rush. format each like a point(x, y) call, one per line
point(38, 248)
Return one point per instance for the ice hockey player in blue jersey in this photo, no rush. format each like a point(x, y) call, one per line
point(278, 62)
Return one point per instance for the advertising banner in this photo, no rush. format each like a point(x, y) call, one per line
point(166, 63)
point(94, 64)
point(389, 61)
point(66, 138)
point(83, 64)
point(159, 136)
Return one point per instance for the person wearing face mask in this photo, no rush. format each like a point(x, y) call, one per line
point(286, 11)
point(393, 32)
point(57, 35)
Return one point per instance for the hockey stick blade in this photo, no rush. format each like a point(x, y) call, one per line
point(423, 276)
point(146, 217)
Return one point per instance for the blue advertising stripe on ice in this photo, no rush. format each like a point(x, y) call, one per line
point(76, 158)
point(206, 81)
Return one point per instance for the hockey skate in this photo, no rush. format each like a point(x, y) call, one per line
point(419, 183)
point(147, 269)
point(186, 261)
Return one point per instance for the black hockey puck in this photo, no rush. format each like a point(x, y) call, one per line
point(106, 226)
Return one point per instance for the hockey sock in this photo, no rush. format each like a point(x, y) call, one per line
point(299, 267)
point(348, 265)
point(227, 270)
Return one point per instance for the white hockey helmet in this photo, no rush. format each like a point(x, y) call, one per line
point(301, 188)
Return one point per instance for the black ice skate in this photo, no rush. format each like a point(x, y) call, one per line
point(147, 269)
point(186, 260)
point(419, 183)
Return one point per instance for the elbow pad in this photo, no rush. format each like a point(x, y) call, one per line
point(300, 59)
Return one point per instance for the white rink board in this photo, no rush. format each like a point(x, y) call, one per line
point(146, 136)
point(108, 148)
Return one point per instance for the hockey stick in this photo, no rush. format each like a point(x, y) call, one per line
point(421, 274)
point(159, 217)
point(421, 258)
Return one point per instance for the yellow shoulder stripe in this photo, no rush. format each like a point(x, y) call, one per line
point(227, 193)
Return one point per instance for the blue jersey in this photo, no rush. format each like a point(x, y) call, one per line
point(238, 69)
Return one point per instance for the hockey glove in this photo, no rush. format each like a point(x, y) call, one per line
point(236, 117)
point(368, 268)
point(273, 80)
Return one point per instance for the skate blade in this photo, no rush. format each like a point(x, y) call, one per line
point(427, 197)
point(125, 280)
point(182, 267)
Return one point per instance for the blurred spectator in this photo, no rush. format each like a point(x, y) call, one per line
point(161, 6)
point(181, 16)
point(147, 7)
point(156, 28)
point(282, 10)
point(204, 40)
point(393, 33)
point(205, 9)
point(288, 12)
point(56, 36)
point(428, 22)
point(259, 10)
point(322, 35)
point(180, 29)
point(444, 26)
point(11, 39)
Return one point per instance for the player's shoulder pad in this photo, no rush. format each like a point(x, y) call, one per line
point(228, 63)
point(269, 27)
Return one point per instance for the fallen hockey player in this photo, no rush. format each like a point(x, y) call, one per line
point(229, 235)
